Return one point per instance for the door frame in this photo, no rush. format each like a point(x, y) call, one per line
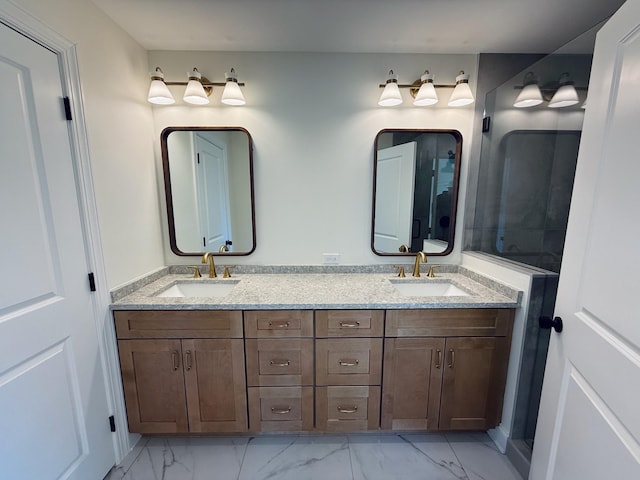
point(23, 22)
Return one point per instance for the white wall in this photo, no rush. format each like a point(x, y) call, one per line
point(313, 118)
point(113, 72)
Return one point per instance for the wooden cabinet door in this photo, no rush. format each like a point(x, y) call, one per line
point(473, 384)
point(153, 382)
point(411, 384)
point(215, 385)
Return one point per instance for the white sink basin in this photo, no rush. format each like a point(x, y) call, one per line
point(199, 289)
point(423, 289)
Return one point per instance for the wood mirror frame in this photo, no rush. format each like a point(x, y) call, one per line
point(246, 205)
point(431, 158)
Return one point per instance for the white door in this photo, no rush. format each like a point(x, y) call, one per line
point(213, 193)
point(395, 184)
point(589, 423)
point(53, 402)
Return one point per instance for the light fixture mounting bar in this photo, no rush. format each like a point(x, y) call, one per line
point(410, 85)
point(205, 84)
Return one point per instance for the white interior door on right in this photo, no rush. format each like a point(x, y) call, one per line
point(589, 421)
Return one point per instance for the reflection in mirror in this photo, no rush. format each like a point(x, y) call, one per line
point(208, 174)
point(415, 191)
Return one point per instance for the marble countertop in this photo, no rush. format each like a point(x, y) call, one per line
point(273, 291)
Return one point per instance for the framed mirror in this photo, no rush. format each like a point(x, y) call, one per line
point(415, 191)
point(208, 180)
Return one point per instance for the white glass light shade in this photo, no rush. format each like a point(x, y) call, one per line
point(427, 94)
point(530, 96)
point(159, 93)
point(232, 95)
point(564, 97)
point(461, 95)
point(194, 93)
point(390, 96)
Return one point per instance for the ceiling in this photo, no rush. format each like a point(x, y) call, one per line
point(362, 26)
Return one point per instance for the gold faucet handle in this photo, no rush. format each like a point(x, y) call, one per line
point(227, 273)
point(400, 270)
point(196, 271)
point(431, 273)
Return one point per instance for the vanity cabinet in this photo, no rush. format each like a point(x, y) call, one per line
point(182, 371)
point(279, 352)
point(197, 371)
point(445, 369)
point(348, 369)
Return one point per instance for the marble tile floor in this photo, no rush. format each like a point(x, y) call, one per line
point(457, 456)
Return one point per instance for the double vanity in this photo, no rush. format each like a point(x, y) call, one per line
point(299, 351)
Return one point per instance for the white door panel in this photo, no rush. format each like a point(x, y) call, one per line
point(52, 389)
point(213, 193)
point(395, 184)
point(589, 422)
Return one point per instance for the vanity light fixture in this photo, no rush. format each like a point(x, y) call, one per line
point(424, 92)
point(427, 94)
point(194, 93)
point(461, 95)
point(159, 93)
point(530, 96)
point(232, 95)
point(390, 96)
point(566, 95)
point(198, 89)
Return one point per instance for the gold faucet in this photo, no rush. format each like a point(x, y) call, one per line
point(420, 257)
point(212, 266)
point(223, 248)
point(404, 248)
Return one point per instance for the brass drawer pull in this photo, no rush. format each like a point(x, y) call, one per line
point(174, 359)
point(348, 363)
point(352, 409)
point(349, 324)
point(281, 410)
point(438, 358)
point(452, 358)
point(280, 324)
point(188, 360)
point(278, 362)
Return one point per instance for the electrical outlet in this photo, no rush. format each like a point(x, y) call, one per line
point(331, 258)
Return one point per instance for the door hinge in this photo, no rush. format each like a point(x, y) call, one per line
point(204, 242)
point(92, 282)
point(67, 108)
point(198, 157)
point(112, 423)
point(486, 124)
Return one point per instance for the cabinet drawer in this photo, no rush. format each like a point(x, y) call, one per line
point(275, 362)
point(178, 324)
point(278, 323)
point(349, 323)
point(470, 322)
point(347, 408)
point(348, 361)
point(274, 409)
